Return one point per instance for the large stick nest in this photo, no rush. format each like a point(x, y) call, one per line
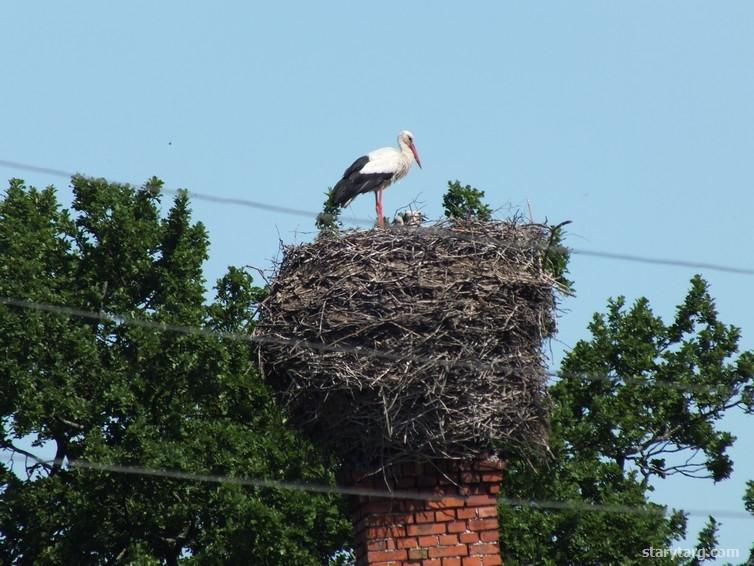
point(413, 343)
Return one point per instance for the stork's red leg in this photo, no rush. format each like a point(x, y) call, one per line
point(380, 216)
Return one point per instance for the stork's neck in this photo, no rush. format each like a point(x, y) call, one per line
point(406, 150)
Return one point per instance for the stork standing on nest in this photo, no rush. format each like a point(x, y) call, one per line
point(375, 171)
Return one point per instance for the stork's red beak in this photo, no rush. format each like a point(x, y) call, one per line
point(416, 155)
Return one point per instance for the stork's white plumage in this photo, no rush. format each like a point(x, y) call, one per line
point(375, 171)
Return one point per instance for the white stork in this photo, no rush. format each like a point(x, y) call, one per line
point(375, 171)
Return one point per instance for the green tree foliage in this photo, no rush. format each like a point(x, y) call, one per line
point(465, 202)
point(641, 401)
point(749, 505)
point(707, 542)
point(329, 218)
point(114, 393)
point(556, 256)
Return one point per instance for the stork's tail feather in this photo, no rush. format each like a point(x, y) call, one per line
point(343, 193)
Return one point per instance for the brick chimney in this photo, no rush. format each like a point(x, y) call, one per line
point(458, 529)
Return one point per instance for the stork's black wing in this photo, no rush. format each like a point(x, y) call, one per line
point(355, 183)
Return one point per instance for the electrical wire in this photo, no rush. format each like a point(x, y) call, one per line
point(499, 369)
point(652, 509)
point(174, 474)
point(365, 222)
point(193, 194)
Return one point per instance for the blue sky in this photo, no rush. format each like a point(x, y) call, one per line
point(633, 120)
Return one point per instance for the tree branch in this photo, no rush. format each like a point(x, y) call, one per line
point(6, 444)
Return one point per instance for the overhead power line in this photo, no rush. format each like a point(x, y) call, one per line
point(498, 368)
point(258, 205)
point(252, 482)
point(580, 506)
point(239, 336)
point(193, 194)
point(663, 261)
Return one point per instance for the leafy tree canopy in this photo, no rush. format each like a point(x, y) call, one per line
point(106, 392)
point(465, 202)
point(641, 400)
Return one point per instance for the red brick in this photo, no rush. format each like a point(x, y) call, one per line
point(489, 536)
point(467, 513)
point(410, 542)
point(492, 477)
point(448, 515)
point(385, 532)
point(457, 526)
point(425, 517)
point(446, 503)
point(447, 540)
point(426, 529)
point(480, 500)
point(455, 550)
point(484, 549)
point(385, 555)
point(418, 553)
point(460, 528)
point(468, 538)
point(378, 544)
point(488, 511)
point(428, 541)
point(482, 524)
point(489, 465)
